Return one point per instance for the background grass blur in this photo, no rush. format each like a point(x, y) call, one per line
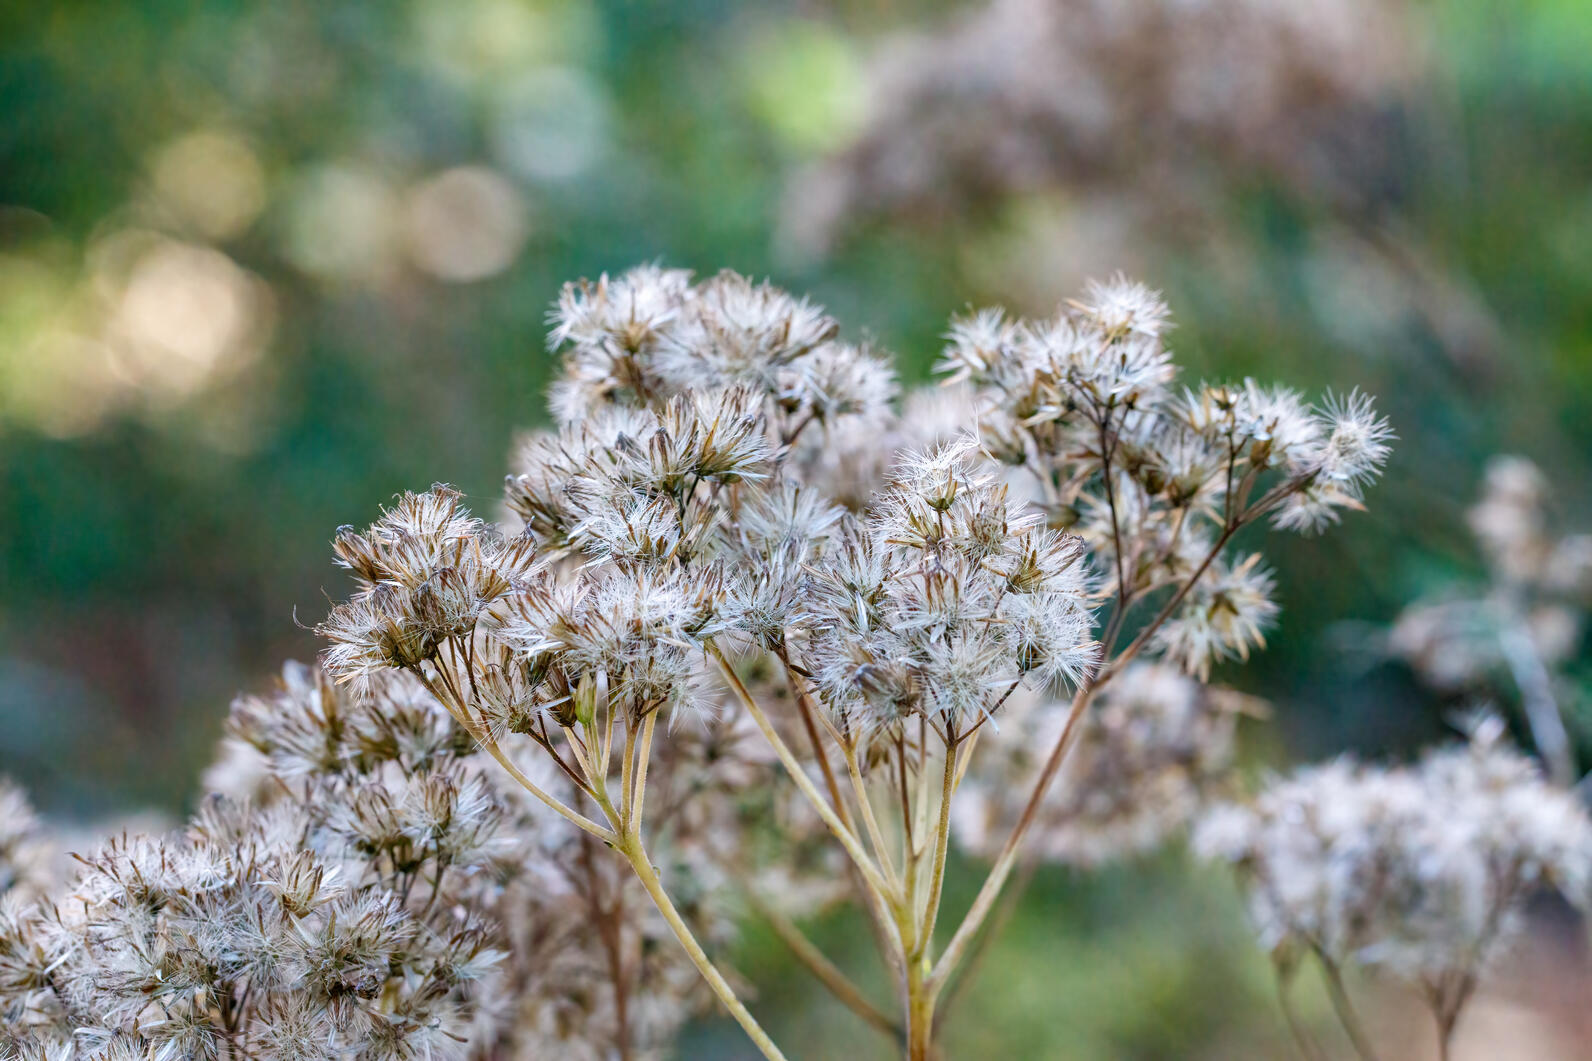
point(263, 265)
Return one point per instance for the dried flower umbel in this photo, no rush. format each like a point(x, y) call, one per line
point(317, 914)
point(365, 883)
point(1085, 129)
point(1509, 638)
point(1418, 872)
point(729, 504)
point(1014, 96)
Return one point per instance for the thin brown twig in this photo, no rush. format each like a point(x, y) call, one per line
point(827, 972)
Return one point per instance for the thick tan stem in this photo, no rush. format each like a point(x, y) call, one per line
point(920, 1012)
point(793, 767)
point(942, 841)
point(631, 848)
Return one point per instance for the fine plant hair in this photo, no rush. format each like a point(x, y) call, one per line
point(729, 515)
point(1419, 872)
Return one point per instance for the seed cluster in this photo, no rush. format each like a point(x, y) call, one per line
point(757, 634)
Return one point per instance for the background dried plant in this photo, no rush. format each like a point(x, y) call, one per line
point(672, 516)
point(284, 262)
point(412, 854)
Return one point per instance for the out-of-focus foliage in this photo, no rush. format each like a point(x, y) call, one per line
point(262, 265)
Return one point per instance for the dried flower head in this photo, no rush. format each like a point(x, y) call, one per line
point(1419, 871)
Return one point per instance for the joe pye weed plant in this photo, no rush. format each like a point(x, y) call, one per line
point(729, 500)
point(755, 633)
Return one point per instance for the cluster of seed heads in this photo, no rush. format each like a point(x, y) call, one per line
point(1013, 97)
point(1421, 872)
point(871, 626)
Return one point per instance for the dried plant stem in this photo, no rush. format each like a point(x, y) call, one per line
point(909, 846)
point(847, 838)
point(869, 820)
point(1007, 858)
point(1011, 899)
point(924, 978)
point(629, 844)
point(879, 916)
point(1170, 606)
point(1445, 1037)
point(920, 1010)
point(607, 836)
point(942, 841)
point(637, 800)
point(827, 973)
point(624, 836)
point(893, 895)
point(1343, 1005)
point(1447, 1000)
point(921, 990)
point(456, 709)
point(627, 766)
point(1307, 1046)
point(804, 705)
point(630, 847)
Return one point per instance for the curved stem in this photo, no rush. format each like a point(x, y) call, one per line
point(1008, 854)
point(1306, 1045)
point(827, 973)
point(630, 846)
point(1344, 1007)
point(793, 767)
point(607, 836)
point(574, 817)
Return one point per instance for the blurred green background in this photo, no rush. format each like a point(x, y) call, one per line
point(262, 265)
